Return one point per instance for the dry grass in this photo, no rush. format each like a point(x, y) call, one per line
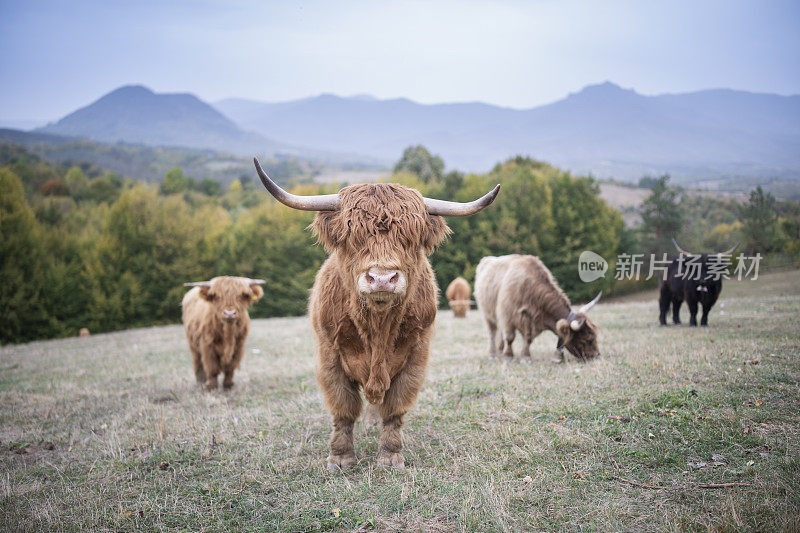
point(110, 432)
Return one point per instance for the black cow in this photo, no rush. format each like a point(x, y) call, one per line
point(696, 278)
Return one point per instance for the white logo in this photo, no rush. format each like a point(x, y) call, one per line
point(591, 266)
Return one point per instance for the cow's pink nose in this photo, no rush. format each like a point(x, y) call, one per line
point(382, 280)
point(229, 313)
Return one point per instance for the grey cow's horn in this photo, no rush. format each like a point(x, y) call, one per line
point(684, 252)
point(461, 209)
point(332, 202)
point(319, 202)
point(585, 308)
point(198, 284)
point(681, 250)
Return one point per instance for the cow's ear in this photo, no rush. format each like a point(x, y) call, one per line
point(438, 230)
point(205, 294)
point(563, 330)
point(257, 291)
point(327, 226)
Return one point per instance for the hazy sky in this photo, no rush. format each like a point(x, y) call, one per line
point(58, 56)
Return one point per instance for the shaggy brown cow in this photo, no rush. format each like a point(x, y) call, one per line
point(458, 293)
point(216, 321)
point(373, 303)
point(518, 293)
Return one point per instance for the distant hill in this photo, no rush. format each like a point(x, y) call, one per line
point(150, 163)
point(135, 114)
point(603, 129)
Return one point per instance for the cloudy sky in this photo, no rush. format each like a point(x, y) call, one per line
point(59, 55)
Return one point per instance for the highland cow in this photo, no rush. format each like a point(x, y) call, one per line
point(216, 322)
point(518, 293)
point(373, 303)
point(458, 293)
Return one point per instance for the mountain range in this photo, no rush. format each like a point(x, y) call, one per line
point(603, 129)
point(135, 114)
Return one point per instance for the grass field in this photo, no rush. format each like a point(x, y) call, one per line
point(110, 432)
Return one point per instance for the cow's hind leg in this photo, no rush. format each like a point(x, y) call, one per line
point(663, 305)
point(509, 332)
point(344, 403)
point(528, 332)
point(491, 325)
point(676, 310)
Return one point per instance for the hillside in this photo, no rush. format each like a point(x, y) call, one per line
point(150, 163)
point(670, 429)
point(603, 129)
point(135, 114)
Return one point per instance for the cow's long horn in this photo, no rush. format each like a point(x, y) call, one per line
point(460, 209)
point(585, 308)
point(198, 284)
point(681, 250)
point(256, 281)
point(319, 202)
point(729, 252)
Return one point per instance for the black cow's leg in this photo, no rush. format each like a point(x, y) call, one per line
point(676, 310)
point(704, 318)
point(663, 305)
point(692, 311)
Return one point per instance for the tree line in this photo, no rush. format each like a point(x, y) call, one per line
point(80, 247)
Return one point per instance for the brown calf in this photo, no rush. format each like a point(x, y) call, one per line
point(216, 322)
point(458, 293)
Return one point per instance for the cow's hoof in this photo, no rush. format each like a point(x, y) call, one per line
point(227, 386)
point(525, 360)
point(395, 461)
point(341, 462)
point(210, 387)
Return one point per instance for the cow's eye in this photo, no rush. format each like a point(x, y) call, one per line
point(246, 295)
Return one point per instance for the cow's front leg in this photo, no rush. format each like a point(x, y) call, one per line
point(398, 400)
point(692, 305)
point(210, 366)
point(230, 368)
point(344, 403)
point(227, 381)
point(704, 317)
